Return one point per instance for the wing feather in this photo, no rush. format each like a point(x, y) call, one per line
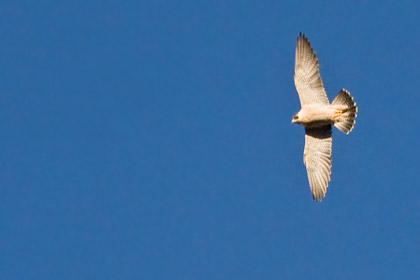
point(307, 77)
point(317, 159)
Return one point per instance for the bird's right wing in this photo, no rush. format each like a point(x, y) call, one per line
point(317, 159)
point(307, 77)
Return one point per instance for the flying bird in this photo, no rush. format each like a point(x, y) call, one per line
point(317, 115)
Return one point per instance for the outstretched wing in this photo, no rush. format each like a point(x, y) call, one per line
point(317, 159)
point(307, 78)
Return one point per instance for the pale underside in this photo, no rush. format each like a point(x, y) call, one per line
point(318, 141)
point(316, 115)
point(317, 159)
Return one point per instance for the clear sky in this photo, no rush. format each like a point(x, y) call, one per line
point(153, 140)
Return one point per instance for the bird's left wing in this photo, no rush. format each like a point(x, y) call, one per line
point(307, 77)
point(317, 159)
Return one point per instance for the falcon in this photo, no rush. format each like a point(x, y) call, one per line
point(318, 116)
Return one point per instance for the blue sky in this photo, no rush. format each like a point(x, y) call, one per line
point(152, 140)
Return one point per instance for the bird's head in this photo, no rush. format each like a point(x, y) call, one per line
point(295, 118)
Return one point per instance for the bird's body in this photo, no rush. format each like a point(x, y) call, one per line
point(314, 116)
point(317, 115)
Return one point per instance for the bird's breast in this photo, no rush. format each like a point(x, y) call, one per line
point(316, 115)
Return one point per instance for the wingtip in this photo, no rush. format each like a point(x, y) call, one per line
point(318, 198)
point(302, 40)
point(302, 36)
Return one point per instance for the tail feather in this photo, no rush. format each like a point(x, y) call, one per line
point(346, 111)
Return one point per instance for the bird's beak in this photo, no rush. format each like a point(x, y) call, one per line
point(293, 120)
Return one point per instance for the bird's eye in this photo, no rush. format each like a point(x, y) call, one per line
point(295, 117)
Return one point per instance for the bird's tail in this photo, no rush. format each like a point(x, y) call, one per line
point(345, 111)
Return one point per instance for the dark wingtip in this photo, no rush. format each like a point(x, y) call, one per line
point(317, 198)
point(301, 35)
